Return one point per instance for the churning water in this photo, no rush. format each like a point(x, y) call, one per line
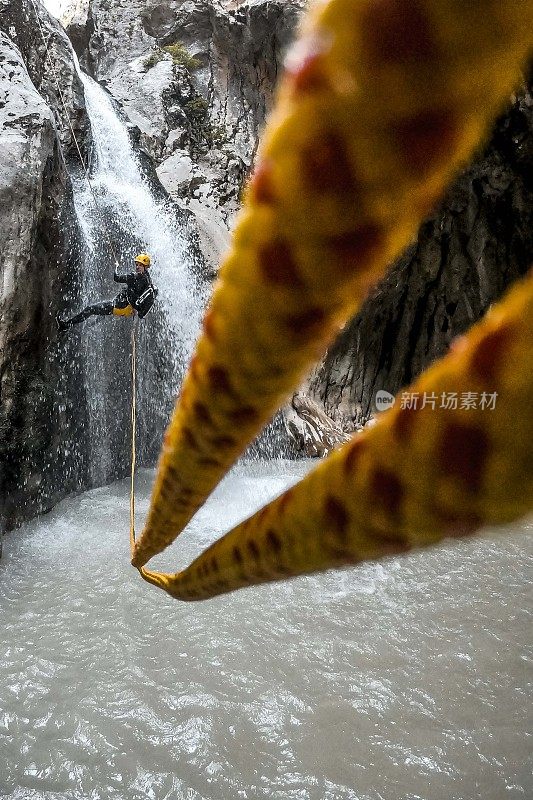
point(409, 679)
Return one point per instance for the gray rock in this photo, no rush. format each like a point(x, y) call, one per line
point(50, 66)
point(200, 119)
point(313, 433)
point(28, 141)
point(75, 17)
point(209, 97)
point(475, 245)
point(176, 172)
point(34, 201)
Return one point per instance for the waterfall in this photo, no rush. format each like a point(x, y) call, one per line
point(134, 211)
point(119, 182)
point(130, 211)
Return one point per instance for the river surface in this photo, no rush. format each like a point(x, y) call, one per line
point(411, 679)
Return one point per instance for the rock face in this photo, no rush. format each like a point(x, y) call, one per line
point(35, 205)
point(52, 72)
point(479, 241)
point(312, 432)
point(197, 78)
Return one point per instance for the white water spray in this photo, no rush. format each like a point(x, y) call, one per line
point(137, 220)
point(117, 179)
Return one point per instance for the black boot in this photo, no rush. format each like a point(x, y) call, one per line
point(62, 324)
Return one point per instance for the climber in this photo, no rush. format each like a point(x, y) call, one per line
point(137, 296)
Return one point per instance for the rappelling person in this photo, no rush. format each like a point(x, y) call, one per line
point(136, 298)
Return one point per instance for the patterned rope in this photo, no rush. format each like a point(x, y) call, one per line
point(381, 102)
point(419, 475)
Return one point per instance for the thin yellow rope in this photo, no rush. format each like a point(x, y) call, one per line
point(133, 432)
point(148, 576)
point(115, 256)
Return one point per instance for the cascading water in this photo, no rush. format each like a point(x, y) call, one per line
point(119, 181)
point(135, 219)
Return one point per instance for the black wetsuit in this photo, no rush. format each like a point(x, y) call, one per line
point(136, 284)
point(134, 297)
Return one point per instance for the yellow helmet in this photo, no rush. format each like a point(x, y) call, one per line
point(144, 259)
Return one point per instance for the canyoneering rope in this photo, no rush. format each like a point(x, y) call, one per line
point(73, 134)
point(117, 265)
point(133, 431)
point(419, 475)
point(381, 102)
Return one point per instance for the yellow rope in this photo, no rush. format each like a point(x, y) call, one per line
point(417, 476)
point(133, 432)
point(381, 102)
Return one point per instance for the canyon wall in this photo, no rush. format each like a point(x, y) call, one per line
point(41, 421)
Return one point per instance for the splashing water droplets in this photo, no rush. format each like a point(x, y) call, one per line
point(124, 192)
point(130, 215)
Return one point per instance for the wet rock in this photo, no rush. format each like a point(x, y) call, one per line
point(76, 18)
point(475, 245)
point(313, 433)
point(197, 77)
point(34, 201)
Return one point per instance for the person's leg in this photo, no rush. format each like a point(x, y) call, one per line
point(96, 309)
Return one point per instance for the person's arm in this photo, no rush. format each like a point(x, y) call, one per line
point(149, 285)
point(154, 288)
point(119, 278)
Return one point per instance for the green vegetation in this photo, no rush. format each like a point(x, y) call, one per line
point(217, 134)
point(180, 56)
point(177, 52)
point(205, 131)
point(196, 109)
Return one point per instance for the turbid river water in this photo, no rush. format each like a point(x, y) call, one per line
point(410, 679)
